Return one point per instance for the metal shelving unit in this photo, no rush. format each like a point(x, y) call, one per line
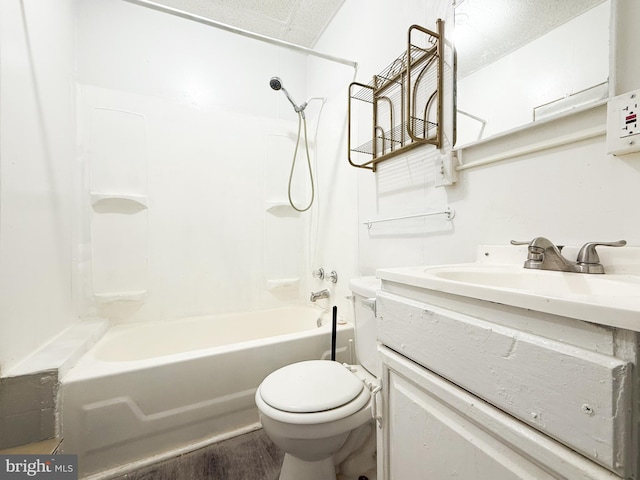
point(404, 100)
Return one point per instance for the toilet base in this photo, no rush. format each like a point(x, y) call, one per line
point(295, 469)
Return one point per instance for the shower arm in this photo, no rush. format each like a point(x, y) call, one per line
point(298, 108)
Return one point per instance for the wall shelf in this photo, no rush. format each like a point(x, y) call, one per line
point(117, 203)
point(403, 102)
point(130, 296)
point(280, 283)
point(281, 209)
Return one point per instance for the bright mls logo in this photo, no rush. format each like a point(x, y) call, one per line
point(50, 467)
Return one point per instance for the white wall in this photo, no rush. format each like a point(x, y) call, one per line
point(332, 234)
point(374, 37)
point(571, 194)
point(37, 150)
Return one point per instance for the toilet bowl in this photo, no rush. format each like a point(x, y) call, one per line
point(310, 408)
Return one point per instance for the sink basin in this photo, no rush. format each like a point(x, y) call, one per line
point(607, 299)
point(540, 282)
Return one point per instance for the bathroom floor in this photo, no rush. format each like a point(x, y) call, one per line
point(251, 456)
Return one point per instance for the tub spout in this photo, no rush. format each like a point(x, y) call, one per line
point(318, 295)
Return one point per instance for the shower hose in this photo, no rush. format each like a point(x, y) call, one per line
point(301, 120)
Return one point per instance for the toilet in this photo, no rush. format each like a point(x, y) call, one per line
point(309, 409)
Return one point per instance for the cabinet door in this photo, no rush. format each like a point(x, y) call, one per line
point(433, 430)
point(581, 398)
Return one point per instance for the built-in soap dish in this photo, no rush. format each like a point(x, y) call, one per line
point(118, 203)
point(131, 296)
point(282, 283)
point(281, 209)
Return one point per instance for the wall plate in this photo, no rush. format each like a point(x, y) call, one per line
point(446, 173)
point(623, 125)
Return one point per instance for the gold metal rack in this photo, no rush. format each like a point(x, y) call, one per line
point(404, 100)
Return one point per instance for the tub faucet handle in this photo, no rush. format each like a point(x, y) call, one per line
point(319, 273)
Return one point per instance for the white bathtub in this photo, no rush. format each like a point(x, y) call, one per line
point(149, 391)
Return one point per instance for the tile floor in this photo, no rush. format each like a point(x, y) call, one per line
point(251, 456)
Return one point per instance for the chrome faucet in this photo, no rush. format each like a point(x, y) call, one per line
point(544, 255)
point(318, 295)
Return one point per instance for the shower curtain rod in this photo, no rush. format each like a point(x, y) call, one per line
point(240, 31)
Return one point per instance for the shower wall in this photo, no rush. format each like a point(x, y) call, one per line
point(37, 150)
point(185, 153)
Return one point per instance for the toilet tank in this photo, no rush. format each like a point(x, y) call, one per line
point(364, 293)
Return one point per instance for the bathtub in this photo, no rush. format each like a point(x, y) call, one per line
point(146, 392)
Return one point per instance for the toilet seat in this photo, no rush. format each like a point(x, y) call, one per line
point(335, 376)
point(310, 387)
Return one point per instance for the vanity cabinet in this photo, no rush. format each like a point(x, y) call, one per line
point(478, 390)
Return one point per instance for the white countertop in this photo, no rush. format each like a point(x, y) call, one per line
point(612, 299)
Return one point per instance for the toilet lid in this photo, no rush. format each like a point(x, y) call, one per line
point(311, 386)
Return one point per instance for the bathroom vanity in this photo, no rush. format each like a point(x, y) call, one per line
point(489, 376)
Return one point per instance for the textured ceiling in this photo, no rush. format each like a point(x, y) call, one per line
point(295, 21)
point(494, 28)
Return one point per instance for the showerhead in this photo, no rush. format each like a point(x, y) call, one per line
point(276, 84)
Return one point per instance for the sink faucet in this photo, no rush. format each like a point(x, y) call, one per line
point(318, 295)
point(544, 255)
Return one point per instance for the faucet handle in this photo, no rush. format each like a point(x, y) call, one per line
point(588, 254)
point(319, 273)
point(518, 242)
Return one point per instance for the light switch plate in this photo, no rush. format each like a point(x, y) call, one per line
point(446, 173)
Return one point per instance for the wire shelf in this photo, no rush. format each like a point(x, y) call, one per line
point(391, 140)
point(404, 101)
